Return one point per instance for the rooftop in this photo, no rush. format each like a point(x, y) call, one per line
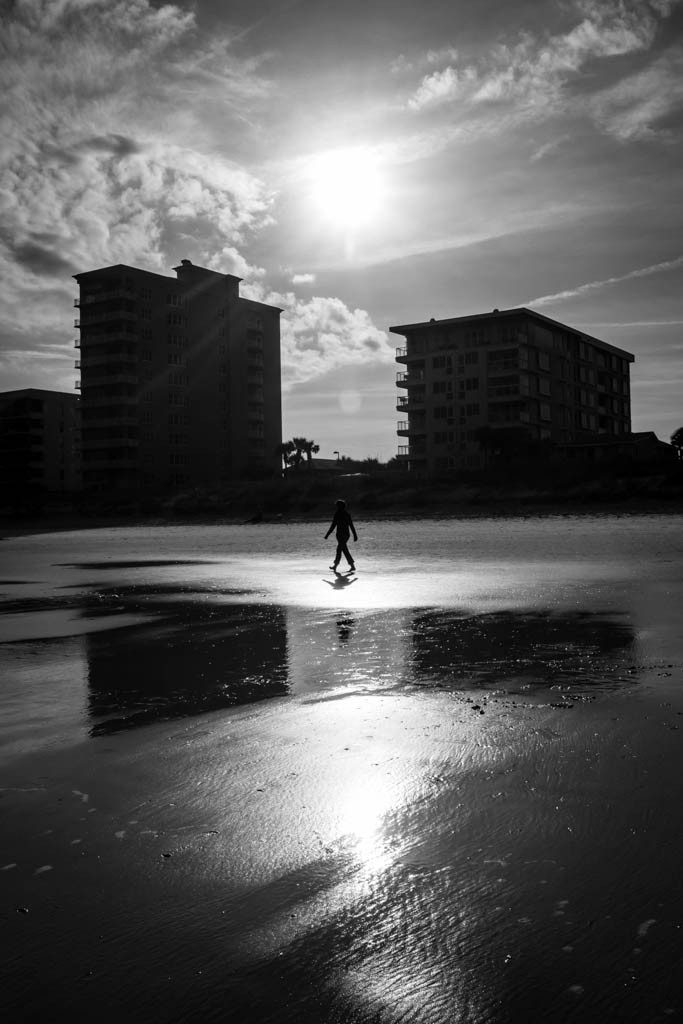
point(506, 314)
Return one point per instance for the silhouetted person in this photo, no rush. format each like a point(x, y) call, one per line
point(343, 524)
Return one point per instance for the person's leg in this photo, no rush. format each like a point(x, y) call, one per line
point(345, 552)
point(337, 557)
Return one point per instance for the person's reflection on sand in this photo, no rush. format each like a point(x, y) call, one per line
point(340, 582)
point(344, 627)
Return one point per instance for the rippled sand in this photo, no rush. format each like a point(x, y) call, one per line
point(237, 787)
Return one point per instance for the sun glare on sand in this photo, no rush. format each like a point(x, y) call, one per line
point(346, 186)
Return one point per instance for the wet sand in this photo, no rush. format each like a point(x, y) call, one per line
point(236, 788)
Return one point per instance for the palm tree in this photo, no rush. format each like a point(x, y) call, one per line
point(285, 451)
point(304, 447)
point(677, 441)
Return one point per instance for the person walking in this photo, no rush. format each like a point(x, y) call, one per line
point(343, 524)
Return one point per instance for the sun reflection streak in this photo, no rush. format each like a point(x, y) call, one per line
point(364, 805)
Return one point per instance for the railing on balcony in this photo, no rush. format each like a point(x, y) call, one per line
point(402, 402)
point(77, 364)
point(402, 427)
point(77, 343)
point(116, 293)
point(77, 323)
point(105, 316)
point(96, 378)
point(77, 385)
point(401, 354)
point(402, 378)
point(403, 450)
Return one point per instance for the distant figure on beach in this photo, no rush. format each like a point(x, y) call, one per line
point(343, 524)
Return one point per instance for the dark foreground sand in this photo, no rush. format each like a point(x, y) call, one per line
point(439, 814)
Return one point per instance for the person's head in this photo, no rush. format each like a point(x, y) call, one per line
point(341, 504)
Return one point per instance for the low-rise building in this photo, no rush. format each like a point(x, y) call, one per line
point(39, 442)
point(511, 369)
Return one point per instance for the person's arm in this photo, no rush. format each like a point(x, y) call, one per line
point(332, 526)
point(353, 529)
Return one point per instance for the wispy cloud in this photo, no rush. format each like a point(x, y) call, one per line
point(594, 286)
point(303, 279)
point(423, 61)
point(549, 147)
point(636, 106)
point(532, 73)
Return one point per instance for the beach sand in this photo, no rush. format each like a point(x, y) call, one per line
point(385, 802)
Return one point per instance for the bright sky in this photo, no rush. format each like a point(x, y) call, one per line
point(360, 165)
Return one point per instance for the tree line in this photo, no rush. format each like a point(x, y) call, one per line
point(296, 451)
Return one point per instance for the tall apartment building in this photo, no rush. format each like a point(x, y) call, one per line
point(508, 368)
point(39, 441)
point(180, 379)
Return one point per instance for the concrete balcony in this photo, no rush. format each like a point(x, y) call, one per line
point(104, 316)
point(112, 461)
point(90, 299)
point(401, 355)
point(90, 360)
point(402, 428)
point(409, 380)
point(105, 401)
point(95, 378)
point(110, 443)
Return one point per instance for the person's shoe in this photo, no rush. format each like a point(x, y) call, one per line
point(352, 568)
point(334, 567)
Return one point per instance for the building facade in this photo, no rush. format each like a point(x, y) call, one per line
point(510, 368)
point(39, 442)
point(180, 379)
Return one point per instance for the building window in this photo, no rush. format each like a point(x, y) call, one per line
point(543, 386)
point(471, 357)
point(472, 384)
point(544, 411)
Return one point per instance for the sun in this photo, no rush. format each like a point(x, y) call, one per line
point(346, 187)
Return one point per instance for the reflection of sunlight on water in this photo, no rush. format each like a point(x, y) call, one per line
point(364, 804)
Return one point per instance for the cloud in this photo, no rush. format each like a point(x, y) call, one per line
point(635, 106)
point(102, 161)
point(322, 334)
point(592, 286)
point(439, 87)
point(532, 73)
point(549, 147)
point(41, 260)
point(431, 58)
point(303, 279)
